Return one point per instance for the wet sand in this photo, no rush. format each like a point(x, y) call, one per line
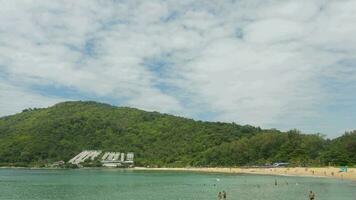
point(328, 172)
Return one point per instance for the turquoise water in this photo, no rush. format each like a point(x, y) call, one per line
point(84, 184)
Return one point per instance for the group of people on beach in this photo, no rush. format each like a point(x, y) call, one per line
point(222, 195)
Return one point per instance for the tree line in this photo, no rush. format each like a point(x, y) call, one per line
point(39, 136)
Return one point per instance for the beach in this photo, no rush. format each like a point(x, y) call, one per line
point(327, 172)
point(323, 172)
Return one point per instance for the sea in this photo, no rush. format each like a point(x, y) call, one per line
point(121, 184)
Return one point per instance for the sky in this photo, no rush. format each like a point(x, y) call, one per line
point(270, 63)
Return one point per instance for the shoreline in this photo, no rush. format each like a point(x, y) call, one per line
point(317, 172)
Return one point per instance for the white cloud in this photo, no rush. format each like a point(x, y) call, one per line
point(14, 99)
point(256, 62)
point(271, 31)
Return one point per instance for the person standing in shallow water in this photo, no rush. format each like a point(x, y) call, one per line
point(219, 196)
point(224, 194)
point(311, 195)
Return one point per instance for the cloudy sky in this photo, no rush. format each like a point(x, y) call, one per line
point(275, 64)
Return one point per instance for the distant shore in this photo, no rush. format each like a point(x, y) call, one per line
point(327, 172)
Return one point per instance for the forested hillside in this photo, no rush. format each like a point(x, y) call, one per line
point(38, 136)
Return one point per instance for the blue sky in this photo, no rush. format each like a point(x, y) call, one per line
point(275, 64)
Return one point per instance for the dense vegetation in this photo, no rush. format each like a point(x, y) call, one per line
point(38, 136)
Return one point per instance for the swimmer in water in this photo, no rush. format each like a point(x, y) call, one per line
point(224, 194)
point(311, 195)
point(219, 196)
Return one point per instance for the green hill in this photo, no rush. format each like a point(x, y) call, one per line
point(38, 136)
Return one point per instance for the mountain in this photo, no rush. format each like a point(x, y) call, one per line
point(38, 136)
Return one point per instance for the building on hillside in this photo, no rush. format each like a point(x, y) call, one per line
point(83, 156)
point(108, 159)
point(117, 159)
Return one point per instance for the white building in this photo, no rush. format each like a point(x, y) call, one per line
point(108, 159)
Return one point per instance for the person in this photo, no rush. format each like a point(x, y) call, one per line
point(224, 194)
point(311, 195)
point(219, 196)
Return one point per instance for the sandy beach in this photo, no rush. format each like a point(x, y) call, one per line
point(327, 172)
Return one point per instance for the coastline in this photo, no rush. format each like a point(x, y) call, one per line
point(317, 172)
point(321, 172)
